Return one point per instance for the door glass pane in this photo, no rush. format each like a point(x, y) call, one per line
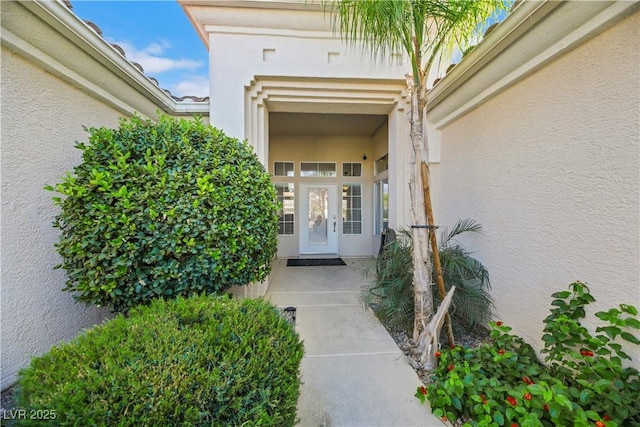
point(318, 212)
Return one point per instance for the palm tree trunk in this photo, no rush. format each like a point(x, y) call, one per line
point(423, 298)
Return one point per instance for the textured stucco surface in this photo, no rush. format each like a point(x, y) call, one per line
point(240, 57)
point(42, 118)
point(550, 167)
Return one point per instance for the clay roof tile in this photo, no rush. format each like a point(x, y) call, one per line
point(120, 50)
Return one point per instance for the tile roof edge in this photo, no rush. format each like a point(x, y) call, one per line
point(95, 28)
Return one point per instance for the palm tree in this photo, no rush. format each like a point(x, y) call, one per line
point(425, 29)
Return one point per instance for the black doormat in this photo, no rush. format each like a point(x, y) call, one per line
point(313, 262)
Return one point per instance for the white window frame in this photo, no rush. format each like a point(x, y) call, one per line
point(284, 163)
point(344, 200)
point(344, 170)
point(282, 220)
point(317, 171)
point(378, 205)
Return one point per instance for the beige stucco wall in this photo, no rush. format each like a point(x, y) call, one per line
point(249, 40)
point(338, 149)
point(550, 167)
point(42, 118)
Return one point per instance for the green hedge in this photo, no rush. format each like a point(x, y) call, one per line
point(162, 209)
point(186, 362)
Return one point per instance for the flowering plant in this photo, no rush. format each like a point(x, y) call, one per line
point(583, 384)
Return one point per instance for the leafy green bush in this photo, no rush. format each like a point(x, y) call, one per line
point(184, 362)
point(504, 383)
point(164, 209)
point(392, 295)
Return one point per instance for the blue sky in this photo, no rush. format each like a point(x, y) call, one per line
point(156, 34)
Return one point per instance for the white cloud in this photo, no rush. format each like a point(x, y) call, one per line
point(192, 85)
point(157, 48)
point(154, 59)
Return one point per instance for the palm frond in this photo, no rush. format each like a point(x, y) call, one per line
point(459, 24)
point(391, 292)
point(461, 226)
point(425, 29)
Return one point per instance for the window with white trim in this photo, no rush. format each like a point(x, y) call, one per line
point(381, 165)
point(381, 211)
point(352, 169)
point(351, 208)
point(317, 169)
point(283, 169)
point(286, 214)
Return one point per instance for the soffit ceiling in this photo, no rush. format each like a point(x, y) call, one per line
point(324, 124)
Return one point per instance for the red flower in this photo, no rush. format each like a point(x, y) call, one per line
point(586, 353)
point(501, 351)
point(527, 396)
point(512, 400)
point(498, 323)
point(423, 390)
point(527, 380)
point(438, 354)
point(545, 407)
point(450, 367)
point(513, 425)
point(443, 418)
point(606, 417)
point(484, 399)
point(600, 424)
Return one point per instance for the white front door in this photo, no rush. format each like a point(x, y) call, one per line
point(318, 219)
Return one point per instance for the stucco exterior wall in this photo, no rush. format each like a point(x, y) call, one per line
point(235, 60)
point(42, 118)
point(550, 168)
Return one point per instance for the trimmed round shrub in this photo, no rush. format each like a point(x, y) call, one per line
point(199, 361)
point(164, 209)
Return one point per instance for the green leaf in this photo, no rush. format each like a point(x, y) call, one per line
point(498, 418)
point(562, 400)
point(585, 395)
point(455, 401)
point(629, 309)
point(561, 295)
point(592, 415)
point(628, 337)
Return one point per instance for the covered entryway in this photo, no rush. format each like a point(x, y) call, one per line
point(323, 141)
point(323, 169)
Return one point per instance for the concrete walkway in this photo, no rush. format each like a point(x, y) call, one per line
point(353, 373)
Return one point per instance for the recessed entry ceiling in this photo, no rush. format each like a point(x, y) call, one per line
point(324, 124)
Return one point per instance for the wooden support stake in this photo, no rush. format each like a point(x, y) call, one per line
point(434, 246)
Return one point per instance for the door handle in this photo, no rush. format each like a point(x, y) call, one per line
point(334, 226)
